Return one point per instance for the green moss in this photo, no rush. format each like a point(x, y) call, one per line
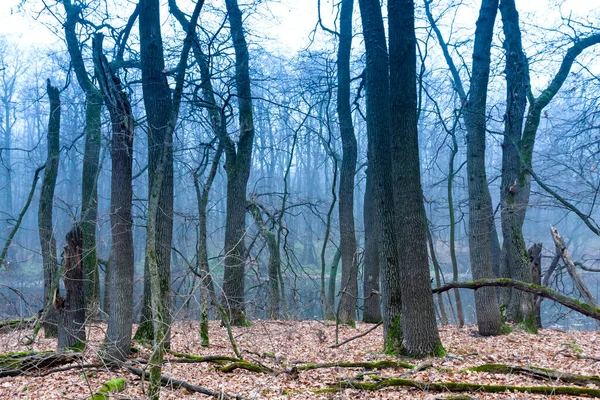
point(491, 368)
point(78, 347)
point(528, 325)
point(392, 344)
point(505, 329)
point(244, 365)
point(113, 386)
point(439, 350)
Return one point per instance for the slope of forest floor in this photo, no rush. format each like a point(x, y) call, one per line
point(280, 345)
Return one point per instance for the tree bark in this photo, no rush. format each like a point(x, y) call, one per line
point(47, 239)
point(121, 270)
point(480, 205)
point(91, 158)
point(372, 309)
point(420, 334)
point(535, 261)
point(349, 292)
point(515, 261)
point(159, 106)
point(237, 166)
point(378, 132)
point(71, 309)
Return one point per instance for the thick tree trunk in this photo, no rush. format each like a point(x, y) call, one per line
point(486, 302)
point(333, 272)
point(378, 131)
point(419, 327)
point(120, 273)
point(47, 240)
point(158, 105)
point(515, 261)
point(71, 309)
point(349, 290)
point(238, 165)
point(372, 309)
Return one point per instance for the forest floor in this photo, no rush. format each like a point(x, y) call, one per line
point(280, 345)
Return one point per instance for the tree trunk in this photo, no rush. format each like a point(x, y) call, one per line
point(158, 105)
point(238, 165)
point(91, 159)
point(349, 291)
point(486, 302)
point(378, 131)
point(515, 261)
point(47, 240)
point(121, 271)
point(419, 327)
point(372, 309)
point(535, 260)
point(71, 309)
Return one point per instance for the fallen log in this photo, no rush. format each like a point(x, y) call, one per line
point(25, 362)
point(460, 387)
point(539, 373)
point(247, 366)
point(17, 324)
point(542, 291)
point(192, 358)
point(178, 384)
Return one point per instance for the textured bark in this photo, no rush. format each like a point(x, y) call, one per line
point(333, 272)
point(438, 280)
point(238, 164)
point(91, 158)
point(372, 309)
point(120, 273)
point(535, 262)
point(515, 260)
point(420, 334)
point(349, 290)
point(159, 106)
point(47, 239)
point(486, 302)
point(71, 309)
point(378, 132)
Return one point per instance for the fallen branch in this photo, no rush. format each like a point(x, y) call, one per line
point(569, 302)
point(20, 363)
point(17, 324)
point(547, 374)
point(247, 366)
point(333, 346)
point(383, 364)
point(178, 384)
point(461, 387)
point(572, 270)
point(192, 358)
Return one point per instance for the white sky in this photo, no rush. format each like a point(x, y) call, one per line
point(292, 20)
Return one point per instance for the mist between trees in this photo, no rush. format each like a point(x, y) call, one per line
point(161, 162)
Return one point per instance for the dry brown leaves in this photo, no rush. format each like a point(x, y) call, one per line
point(301, 342)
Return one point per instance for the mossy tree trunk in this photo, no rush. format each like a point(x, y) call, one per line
point(372, 309)
point(237, 165)
point(480, 204)
point(380, 164)
point(515, 261)
point(421, 337)
point(47, 239)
